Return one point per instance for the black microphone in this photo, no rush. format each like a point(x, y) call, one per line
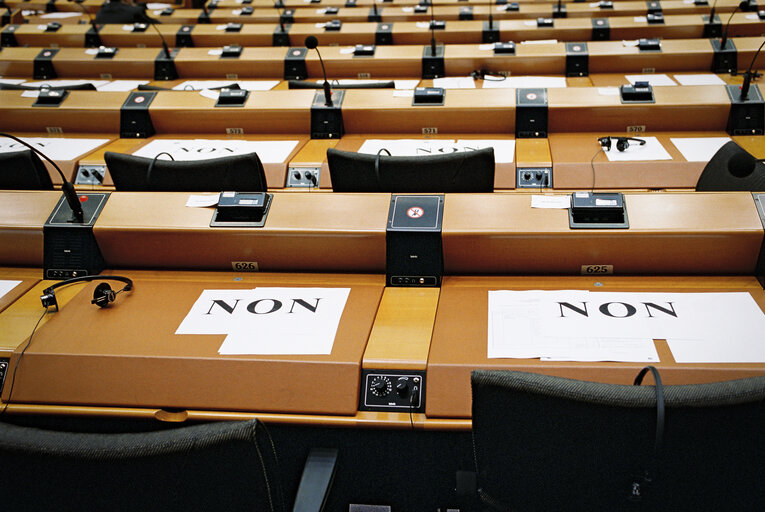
point(67, 187)
point(432, 30)
point(712, 13)
point(724, 40)
point(92, 21)
point(164, 43)
point(277, 5)
point(491, 17)
point(313, 44)
point(748, 75)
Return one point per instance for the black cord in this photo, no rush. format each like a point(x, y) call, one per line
point(16, 366)
point(377, 165)
point(592, 166)
point(153, 161)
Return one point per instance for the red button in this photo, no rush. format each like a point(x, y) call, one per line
point(83, 199)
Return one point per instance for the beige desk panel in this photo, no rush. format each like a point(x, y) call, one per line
point(128, 355)
point(21, 226)
point(304, 232)
point(464, 111)
point(81, 112)
point(573, 153)
point(669, 233)
point(460, 337)
point(28, 277)
point(127, 63)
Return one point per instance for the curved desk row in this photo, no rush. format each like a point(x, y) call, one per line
point(387, 13)
point(127, 359)
point(409, 32)
point(575, 109)
point(387, 62)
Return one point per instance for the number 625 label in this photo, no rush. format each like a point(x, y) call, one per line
point(588, 270)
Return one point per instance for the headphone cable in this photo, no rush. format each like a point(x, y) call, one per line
point(16, 366)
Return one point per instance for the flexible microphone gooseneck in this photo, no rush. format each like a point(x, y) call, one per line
point(313, 44)
point(432, 30)
point(278, 5)
point(491, 17)
point(165, 48)
point(85, 11)
point(67, 188)
point(724, 39)
point(748, 75)
point(712, 13)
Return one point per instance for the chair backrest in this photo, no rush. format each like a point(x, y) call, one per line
point(732, 169)
point(23, 170)
point(549, 443)
point(241, 173)
point(213, 466)
point(463, 171)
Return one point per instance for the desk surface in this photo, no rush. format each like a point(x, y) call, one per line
point(460, 335)
point(128, 355)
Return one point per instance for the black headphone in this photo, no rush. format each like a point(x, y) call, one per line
point(622, 143)
point(102, 295)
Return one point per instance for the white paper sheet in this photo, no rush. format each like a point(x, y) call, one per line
point(655, 80)
point(525, 82)
point(121, 85)
point(557, 202)
point(202, 200)
point(60, 15)
point(269, 151)
point(398, 84)
point(12, 81)
point(699, 149)
point(56, 148)
point(250, 85)
point(455, 82)
point(700, 327)
point(699, 79)
point(6, 286)
point(64, 83)
point(651, 150)
point(504, 149)
point(269, 320)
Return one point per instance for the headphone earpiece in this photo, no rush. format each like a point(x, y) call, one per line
point(622, 143)
point(103, 295)
point(48, 299)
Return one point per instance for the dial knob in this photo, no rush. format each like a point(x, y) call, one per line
point(402, 386)
point(381, 386)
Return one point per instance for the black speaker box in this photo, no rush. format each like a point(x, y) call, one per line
point(413, 240)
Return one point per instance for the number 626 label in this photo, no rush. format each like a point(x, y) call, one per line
point(245, 266)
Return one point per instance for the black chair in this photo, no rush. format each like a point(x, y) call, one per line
point(242, 173)
point(732, 169)
point(463, 171)
point(213, 466)
point(549, 443)
point(23, 170)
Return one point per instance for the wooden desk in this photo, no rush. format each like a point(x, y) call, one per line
point(304, 232)
point(28, 277)
point(575, 168)
point(114, 359)
point(405, 61)
point(406, 32)
point(669, 233)
point(460, 336)
point(21, 226)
